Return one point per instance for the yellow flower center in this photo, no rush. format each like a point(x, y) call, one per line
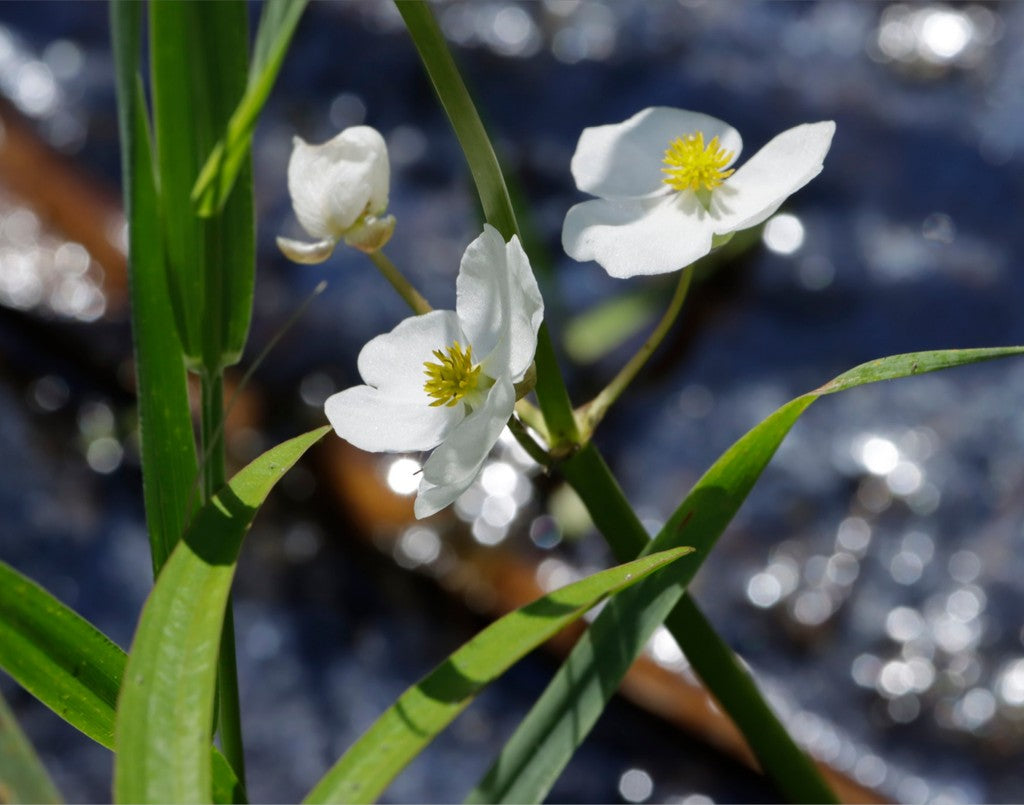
point(453, 378)
point(692, 166)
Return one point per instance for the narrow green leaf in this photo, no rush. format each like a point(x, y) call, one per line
point(71, 667)
point(420, 713)
point(165, 422)
point(454, 97)
point(494, 196)
point(277, 25)
point(783, 761)
point(913, 363)
point(58, 656)
point(165, 710)
point(535, 755)
point(23, 778)
point(198, 66)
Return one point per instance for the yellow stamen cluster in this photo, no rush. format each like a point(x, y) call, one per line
point(453, 378)
point(691, 166)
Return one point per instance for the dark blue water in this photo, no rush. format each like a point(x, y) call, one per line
point(873, 578)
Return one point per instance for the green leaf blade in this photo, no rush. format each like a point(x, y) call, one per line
point(913, 363)
point(542, 745)
point(165, 710)
point(165, 422)
point(23, 778)
point(199, 68)
point(217, 178)
point(58, 656)
point(425, 709)
point(539, 749)
point(71, 667)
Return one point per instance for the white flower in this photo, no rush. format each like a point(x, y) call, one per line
point(339, 191)
point(666, 190)
point(445, 380)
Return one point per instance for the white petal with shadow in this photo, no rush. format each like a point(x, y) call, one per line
point(380, 422)
point(625, 160)
point(783, 166)
point(332, 184)
point(300, 251)
point(393, 362)
point(632, 238)
point(454, 465)
point(499, 304)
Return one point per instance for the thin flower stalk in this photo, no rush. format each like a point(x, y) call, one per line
point(413, 298)
point(591, 414)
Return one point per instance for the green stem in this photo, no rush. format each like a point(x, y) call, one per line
point(532, 417)
point(593, 412)
point(553, 396)
point(212, 433)
point(535, 451)
point(398, 281)
point(229, 710)
point(795, 775)
point(214, 477)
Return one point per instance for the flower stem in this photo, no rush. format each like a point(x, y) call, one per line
point(399, 282)
point(528, 443)
point(214, 477)
point(591, 414)
point(532, 417)
point(796, 774)
point(798, 778)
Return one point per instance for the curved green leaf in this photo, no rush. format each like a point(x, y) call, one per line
point(165, 421)
point(23, 778)
point(165, 710)
point(425, 709)
point(277, 24)
point(535, 755)
point(71, 667)
point(58, 656)
point(490, 186)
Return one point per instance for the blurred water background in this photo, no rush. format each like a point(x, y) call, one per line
point(873, 580)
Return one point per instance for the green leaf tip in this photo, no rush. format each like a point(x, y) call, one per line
point(166, 703)
point(426, 708)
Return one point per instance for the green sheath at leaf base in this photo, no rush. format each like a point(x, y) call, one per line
point(199, 72)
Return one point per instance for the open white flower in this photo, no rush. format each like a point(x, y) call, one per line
point(666, 189)
point(446, 380)
point(339, 191)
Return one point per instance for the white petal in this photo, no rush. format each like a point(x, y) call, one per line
point(299, 251)
point(371, 233)
point(456, 462)
point(372, 420)
point(393, 362)
point(783, 166)
point(431, 499)
point(624, 160)
point(628, 238)
point(499, 304)
point(331, 185)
